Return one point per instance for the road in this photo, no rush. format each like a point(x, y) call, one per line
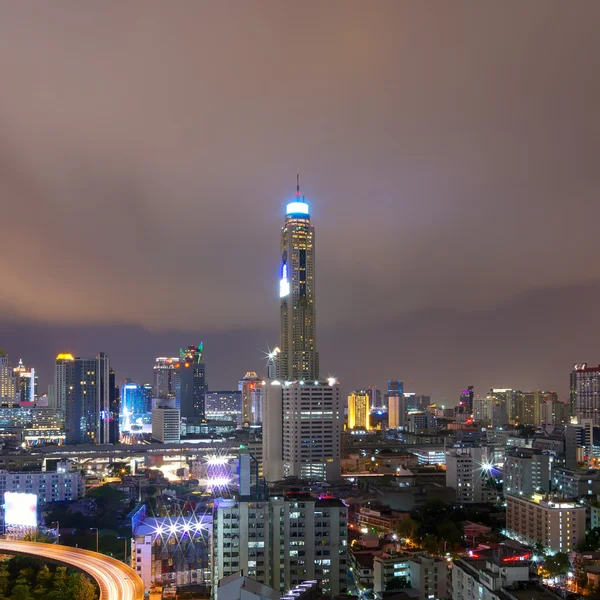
point(115, 579)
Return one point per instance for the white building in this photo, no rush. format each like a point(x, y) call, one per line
point(238, 587)
point(302, 425)
point(576, 483)
point(166, 424)
point(429, 576)
point(484, 579)
point(466, 473)
point(65, 483)
point(526, 470)
point(421, 422)
point(312, 425)
point(557, 524)
point(282, 542)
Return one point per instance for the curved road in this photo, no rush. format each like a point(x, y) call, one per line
point(115, 579)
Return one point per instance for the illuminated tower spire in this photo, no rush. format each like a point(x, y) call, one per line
point(298, 359)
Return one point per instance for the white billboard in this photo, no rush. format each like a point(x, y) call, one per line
point(20, 509)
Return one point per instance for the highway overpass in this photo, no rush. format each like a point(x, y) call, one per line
point(115, 579)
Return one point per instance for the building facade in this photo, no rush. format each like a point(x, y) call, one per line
point(526, 470)
point(585, 392)
point(190, 383)
point(557, 524)
point(224, 405)
point(164, 382)
point(166, 424)
point(283, 541)
point(359, 409)
point(247, 385)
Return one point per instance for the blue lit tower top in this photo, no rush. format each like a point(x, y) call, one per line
point(298, 359)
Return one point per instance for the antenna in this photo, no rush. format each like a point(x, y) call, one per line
point(297, 184)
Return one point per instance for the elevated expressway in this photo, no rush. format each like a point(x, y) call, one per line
point(115, 579)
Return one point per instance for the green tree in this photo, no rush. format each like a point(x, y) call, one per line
point(397, 583)
point(59, 582)
point(81, 587)
point(4, 579)
point(558, 564)
point(20, 592)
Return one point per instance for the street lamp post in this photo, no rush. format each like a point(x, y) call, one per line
point(96, 530)
point(57, 531)
point(124, 548)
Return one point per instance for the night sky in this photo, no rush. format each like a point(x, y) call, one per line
point(449, 150)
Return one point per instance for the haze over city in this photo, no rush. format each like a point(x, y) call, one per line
point(449, 154)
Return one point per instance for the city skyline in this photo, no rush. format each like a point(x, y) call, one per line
point(440, 193)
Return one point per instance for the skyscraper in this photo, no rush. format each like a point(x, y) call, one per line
point(85, 386)
point(164, 383)
point(466, 400)
point(63, 381)
point(585, 392)
point(115, 408)
point(359, 409)
point(7, 380)
point(190, 383)
point(247, 384)
point(298, 359)
point(25, 383)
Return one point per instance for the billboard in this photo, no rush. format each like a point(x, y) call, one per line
point(20, 509)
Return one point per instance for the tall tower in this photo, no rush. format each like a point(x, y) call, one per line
point(190, 382)
point(298, 359)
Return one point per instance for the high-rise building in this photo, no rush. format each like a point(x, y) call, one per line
point(25, 383)
point(224, 406)
point(585, 392)
point(359, 408)
point(397, 411)
point(526, 470)
point(466, 400)
point(312, 426)
point(64, 380)
point(557, 524)
point(395, 387)
point(272, 357)
point(85, 385)
point(375, 398)
point(8, 392)
point(298, 359)
point(467, 471)
point(282, 541)
point(482, 408)
point(164, 382)
point(115, 407)
point(502, 405)
point(166, 423)
point(190, 383)
point(247, 384)
point(555, 412)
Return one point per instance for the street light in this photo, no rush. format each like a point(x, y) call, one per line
point(96, 530)
point(124, 548)
point(57, 531)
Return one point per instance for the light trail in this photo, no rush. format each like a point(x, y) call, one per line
point(116, 580)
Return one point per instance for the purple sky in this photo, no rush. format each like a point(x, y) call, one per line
point(449, 152)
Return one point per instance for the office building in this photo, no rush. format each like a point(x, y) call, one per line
point(468, 472)
point(8, 392)
point(164, 381)
point(585, 392)
point(526, 470)
point(375, 398)
point(224, 406)
point(359, 410)
point(247, 384)
point(482, 408)
point(25, 383)
point(421, 422)
point(63, 484)
point(397, 411)
point(272, 430)
point(466, 400)
point(501, 403)
point(84, 385)
point(133, 399)
point(576, 483)
point(283, 541)
point(166, 423)
point(555, 412)
point(559, 525)
point(312, 426)
point(298, 359)
point(115, 408)
point(190, 383)
point(171, 551)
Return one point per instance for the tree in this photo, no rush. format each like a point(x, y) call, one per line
point(558, 564)
point(408, 528)
point(539, 549)
point(397, 583)
point(20, 592)
point(81, 587)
